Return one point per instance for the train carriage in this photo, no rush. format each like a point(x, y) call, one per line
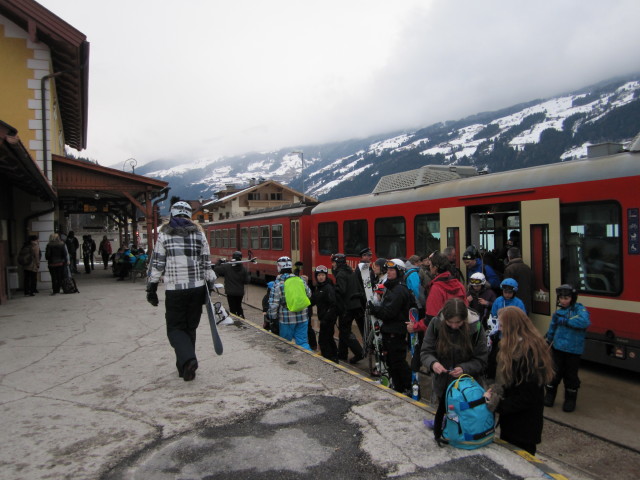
point(267, 235)
point(577, 220)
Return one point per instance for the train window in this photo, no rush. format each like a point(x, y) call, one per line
point(391, 238)
point(265, 237)
point(427, 234)
point(356, 236)
point(225, 238)
point(255, 240)
point(328, 238)
point(276, 237)
point(212, 238)
point(232, 238)
point(244, 238)
point(592, 247)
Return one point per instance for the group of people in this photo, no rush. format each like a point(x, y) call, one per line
point(454, 322)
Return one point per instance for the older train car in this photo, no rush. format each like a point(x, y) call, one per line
point(577, 222)
point(267, 235)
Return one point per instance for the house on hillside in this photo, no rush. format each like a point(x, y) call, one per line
point(237, 202)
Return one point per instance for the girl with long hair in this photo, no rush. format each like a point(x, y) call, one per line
point(524, 368)
point(452, 346)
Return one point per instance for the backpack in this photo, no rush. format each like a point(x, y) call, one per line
point(25, 256)
point(468, 422)
point(421, 301)
point(295, 294)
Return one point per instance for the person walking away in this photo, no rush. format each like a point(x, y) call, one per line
point(348, 298)
point(181, 255)
point(566, 335)
point(521, 273)
point(394, 313)
point(86, 253)
point(72, 247)
point(480, 297)
point(452, 347)
point(236, 276)
point(93, 250)
point(31, 265)
point(293, 325)
point(524, 367)
point(57, 258)
point(105, 251)
point(324, 298)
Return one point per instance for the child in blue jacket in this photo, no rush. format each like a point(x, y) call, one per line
point(566, 336)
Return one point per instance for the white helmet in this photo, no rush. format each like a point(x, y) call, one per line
point(398, 264)
point(284, 263)
point(477, 278)
point(181, 209)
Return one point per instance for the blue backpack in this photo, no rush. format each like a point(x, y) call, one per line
point(468, 422)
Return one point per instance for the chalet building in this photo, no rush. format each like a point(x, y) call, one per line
point(235, 202)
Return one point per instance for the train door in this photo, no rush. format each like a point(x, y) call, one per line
point(453, 229)
point(295, 241)
point(541, 251)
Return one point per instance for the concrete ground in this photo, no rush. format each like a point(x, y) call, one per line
point(89, 390)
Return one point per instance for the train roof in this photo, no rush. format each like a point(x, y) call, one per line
point(624, 164)
point(278, 212)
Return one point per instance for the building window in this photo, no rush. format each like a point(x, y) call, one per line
point(276, 196)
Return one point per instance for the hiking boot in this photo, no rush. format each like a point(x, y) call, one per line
point(570, 395)
point(189, 372)
point(550, 396)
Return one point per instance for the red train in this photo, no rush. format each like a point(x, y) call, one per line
point(578, 223)
point(267, 235)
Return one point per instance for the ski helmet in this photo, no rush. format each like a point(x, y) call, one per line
point(567, 290)
point(509, 284)
point(471, 253)
point(237, 255)
point(398, 264)
point(284, 263)
point(478, 278)
point(339, 258)
point(181, 209)
point(321, 269)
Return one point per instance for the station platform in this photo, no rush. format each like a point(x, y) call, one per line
point(89, 390)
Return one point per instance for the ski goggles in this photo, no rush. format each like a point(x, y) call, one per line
point(507, 288)
point(391, 264)
point(476, 281)
point(322, 269)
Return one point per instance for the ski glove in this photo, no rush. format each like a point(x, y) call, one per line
point(152, 296)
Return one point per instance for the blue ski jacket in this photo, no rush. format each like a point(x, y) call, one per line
point(568, 329)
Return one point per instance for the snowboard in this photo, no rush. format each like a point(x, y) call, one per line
point(213, 323)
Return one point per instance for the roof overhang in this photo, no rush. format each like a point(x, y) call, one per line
point(70, 57)
point(17, 165)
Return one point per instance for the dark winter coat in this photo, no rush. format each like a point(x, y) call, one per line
point(235, 278)
point(348, 294)
point(473, 365)
point(489, 273)
point(56, 254)
point(324, 298)
point(394, 310)
point(483, 310)
point(520, 409)
point(521, 273)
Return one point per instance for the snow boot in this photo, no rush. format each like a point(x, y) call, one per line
point(570, 395)
point(550, 396)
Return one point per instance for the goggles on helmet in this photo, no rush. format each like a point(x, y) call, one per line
point(322, 269)
point(477, 281)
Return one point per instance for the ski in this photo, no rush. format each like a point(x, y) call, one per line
point(250, 260)
point(415, 385)
point(211, 313)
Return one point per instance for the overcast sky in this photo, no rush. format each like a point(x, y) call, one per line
point(198, 79)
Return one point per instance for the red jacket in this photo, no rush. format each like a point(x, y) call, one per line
point(441, 289)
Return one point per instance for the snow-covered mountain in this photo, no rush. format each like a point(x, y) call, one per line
point(535, 133)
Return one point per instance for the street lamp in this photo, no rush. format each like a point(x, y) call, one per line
point(301, 153)
point(132, 163)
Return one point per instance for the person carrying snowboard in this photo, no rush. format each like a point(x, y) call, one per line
point(181, 255)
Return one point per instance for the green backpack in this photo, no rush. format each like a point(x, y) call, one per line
point(295, 294)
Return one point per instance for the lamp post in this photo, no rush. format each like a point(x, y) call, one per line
point(301, 153)
point(132, 163)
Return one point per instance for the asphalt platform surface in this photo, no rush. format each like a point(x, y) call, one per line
point(89, 390)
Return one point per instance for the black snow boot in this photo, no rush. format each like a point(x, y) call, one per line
point(550, 396)
point(570, 395)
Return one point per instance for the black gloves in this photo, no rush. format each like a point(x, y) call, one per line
point(152, 296)
point(373, 310)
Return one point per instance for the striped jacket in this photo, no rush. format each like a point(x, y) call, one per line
point(182, 256)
